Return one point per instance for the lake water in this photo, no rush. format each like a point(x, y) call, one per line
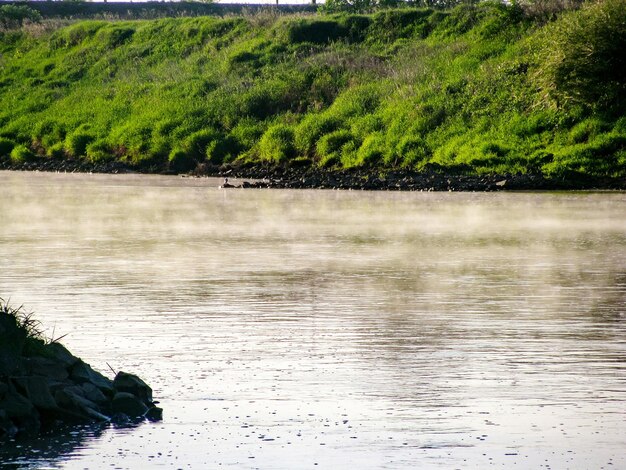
point(329, 329)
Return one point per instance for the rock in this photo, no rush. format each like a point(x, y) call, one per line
point(83, 373)
point(128, 404)
point(93, 393)
point(132, 384)
point(62, 355)
point(155, 414)
point(71, 401)
point(45, 367)
point(37, 390)
point(16, 405)
point(7, 428)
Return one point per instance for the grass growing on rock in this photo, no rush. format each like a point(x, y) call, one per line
point(476, 89)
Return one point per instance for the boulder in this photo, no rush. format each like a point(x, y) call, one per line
point(37, 390)
point(16, 405)
point(68, 400)
point(83, 373)
point(61, 355)
point(45, 367)
point(132, 384)
point(7, 428)
point(155, 414)
point(93, 393)
point(128, 404)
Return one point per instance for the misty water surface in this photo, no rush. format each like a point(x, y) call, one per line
point(326, 329)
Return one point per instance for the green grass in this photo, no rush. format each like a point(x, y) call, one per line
point(484, 88)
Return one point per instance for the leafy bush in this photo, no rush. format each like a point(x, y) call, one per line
point(315, 31)
point(311, 128)
point(98, 151)
point(76, 143)
point(14, 16)
point(6, 145)
point(21, 153)
point(329, 146)
point(277, 144)
point(371, 151)
point(181, 161)
point(196, 144)
point(412, 150)
point(56, 150)
point(356, 6)
point(583, 61)
point(221, 149)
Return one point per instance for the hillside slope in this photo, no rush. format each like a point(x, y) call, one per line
point(477, 89)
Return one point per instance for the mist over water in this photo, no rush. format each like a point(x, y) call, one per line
point(327, 329)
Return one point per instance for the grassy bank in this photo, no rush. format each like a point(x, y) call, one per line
point(476, 89)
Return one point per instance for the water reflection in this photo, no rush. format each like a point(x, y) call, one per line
point(446, 330)
point(48, 449)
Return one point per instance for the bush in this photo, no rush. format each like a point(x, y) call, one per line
point(311, 128)
point(56, 150)
point(330, 145)
point(277, 144)
point(356, 6)
point(221, 149)
point(181, 161)
point(583, 61)
point(6, 145)
point(14, 16)
point(99, 151)
point(247, 133)
point(315, 31)
point(413, 150)
point(371, 151)
point(196, 144)
point(76, 143)
point(586, 129)
point(21, 153)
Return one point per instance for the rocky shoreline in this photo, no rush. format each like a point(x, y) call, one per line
point(43, 387)
point(351, 179)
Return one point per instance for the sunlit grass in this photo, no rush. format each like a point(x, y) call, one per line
point(466, 90)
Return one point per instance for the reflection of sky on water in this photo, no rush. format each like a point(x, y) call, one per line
point(445, 329)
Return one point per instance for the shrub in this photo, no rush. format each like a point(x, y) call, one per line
point(277, 144)
point(311, 128)
point(413, 150)
point(330, 145)
point(99, 151)
point(583, 61)
point(356, 101)
point(586, 129)
point(196, 144)
point(356, 6)
point(14, 16)
point(56, 150)
point(223, 148)
point(315, 31)
point(362, 126)
point(247, 133)
point(20, 154)
point(6, 145)
point(181, 161)
point(372, 150)
point(76, 143)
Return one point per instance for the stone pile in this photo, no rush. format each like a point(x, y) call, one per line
point(49, 387)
